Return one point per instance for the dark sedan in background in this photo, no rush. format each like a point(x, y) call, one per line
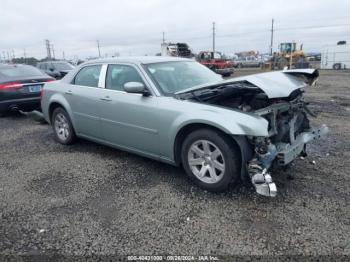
point(20, 87)
point(56, 69)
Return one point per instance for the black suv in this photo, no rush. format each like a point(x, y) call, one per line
point(56, 69)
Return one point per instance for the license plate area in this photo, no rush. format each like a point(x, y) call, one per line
point(35, 88)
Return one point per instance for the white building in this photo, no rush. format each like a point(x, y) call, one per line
point(336, 57)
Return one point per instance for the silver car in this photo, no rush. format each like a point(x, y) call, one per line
point(177, 111)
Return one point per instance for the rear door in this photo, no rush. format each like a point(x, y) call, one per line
point(129, 120)
point(83, 96)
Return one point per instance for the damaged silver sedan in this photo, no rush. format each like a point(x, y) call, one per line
point(179, 112)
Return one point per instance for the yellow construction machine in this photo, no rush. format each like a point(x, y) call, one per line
point(288, 56)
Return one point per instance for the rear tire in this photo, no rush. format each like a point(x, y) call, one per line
point(210, 159)
point(337, 66)
point(62, 127)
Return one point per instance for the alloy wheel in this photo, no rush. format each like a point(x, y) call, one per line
point(206, 161)
point(62, 127)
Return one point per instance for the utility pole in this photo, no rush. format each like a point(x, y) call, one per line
point(98, 47)
point(163, 37)
point(64, 58)
point(53, 52)
point(13, 54)
point(25, 55)
point(48, 49)
point(271, 45)
point(213, 36)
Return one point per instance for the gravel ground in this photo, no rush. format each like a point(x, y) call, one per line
point(89, 199)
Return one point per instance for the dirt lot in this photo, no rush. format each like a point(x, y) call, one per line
point(90, 199)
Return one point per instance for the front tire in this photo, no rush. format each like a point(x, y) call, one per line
point(62, 127)
point(210, 159)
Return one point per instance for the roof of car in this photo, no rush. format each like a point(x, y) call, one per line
point(58, 61)
point(12, 65)
point(138, 59)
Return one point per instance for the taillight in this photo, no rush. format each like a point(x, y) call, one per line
point(10, 85)
point(50, 80)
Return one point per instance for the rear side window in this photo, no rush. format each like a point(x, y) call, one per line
point(63, 66)
point(88, 76)
point(119, 75)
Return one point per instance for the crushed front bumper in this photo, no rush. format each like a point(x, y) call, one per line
point(282, 154)
point(288, 152)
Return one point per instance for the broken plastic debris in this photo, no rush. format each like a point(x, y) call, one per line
point(188, 219)
point(42, 230)
point(313, 162)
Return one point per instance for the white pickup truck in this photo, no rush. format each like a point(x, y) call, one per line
point(249, 61)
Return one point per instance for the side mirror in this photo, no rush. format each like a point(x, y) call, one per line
point(136, 88)
point(52, 69)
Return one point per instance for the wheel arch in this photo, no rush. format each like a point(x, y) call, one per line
point(240, 142)
point(55, 104)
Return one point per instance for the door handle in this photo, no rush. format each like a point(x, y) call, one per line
point(69, 92)
point(107, 99)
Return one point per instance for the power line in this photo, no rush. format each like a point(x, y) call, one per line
point(240, 33)
point(311, 27)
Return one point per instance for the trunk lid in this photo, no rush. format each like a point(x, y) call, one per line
point(24, 88)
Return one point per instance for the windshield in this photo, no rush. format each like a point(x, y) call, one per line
point(172, 77)
point(19, 71)
point(63, 66)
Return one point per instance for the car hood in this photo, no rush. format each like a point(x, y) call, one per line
point(274, 84)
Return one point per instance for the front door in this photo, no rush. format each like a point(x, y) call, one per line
point(128, 120)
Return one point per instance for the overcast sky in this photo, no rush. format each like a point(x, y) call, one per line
point(134, 27)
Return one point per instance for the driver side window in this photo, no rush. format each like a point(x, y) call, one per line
point(119, 75)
